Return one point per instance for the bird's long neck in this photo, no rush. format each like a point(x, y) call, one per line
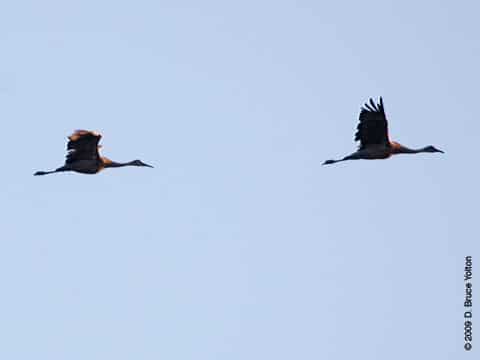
point(114, 164)
point(405, 150)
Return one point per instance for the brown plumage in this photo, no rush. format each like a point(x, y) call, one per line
point(372, 132)
point(83, 155)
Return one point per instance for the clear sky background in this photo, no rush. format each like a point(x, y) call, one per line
point(239, 244)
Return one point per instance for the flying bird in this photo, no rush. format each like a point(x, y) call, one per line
point(83, 156)
point(372, 132)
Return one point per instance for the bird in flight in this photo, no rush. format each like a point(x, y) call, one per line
point(372, 132)
point(83, 156)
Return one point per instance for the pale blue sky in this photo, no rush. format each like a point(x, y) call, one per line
point(239, 244)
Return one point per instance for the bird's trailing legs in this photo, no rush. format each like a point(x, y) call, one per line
point(326, 162)
point(349, 157)
point(63, 168)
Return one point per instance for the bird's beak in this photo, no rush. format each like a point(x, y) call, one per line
point(440, 151)
point(150, 166)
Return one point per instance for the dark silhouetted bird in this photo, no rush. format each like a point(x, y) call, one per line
point(372, 132)
point(83, 156)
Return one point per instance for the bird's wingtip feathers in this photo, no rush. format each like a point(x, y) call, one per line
point(77, 134)
point(370, 105)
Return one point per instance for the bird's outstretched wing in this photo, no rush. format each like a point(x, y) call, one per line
point(83, 145)
point(373, 127)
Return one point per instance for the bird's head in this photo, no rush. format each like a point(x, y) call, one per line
point(432, 149)
point(140, 163)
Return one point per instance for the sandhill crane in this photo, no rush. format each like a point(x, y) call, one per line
point(372, 132)
point(83, 156)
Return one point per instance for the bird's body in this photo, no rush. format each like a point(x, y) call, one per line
point(83, 155)
point(372, 132)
